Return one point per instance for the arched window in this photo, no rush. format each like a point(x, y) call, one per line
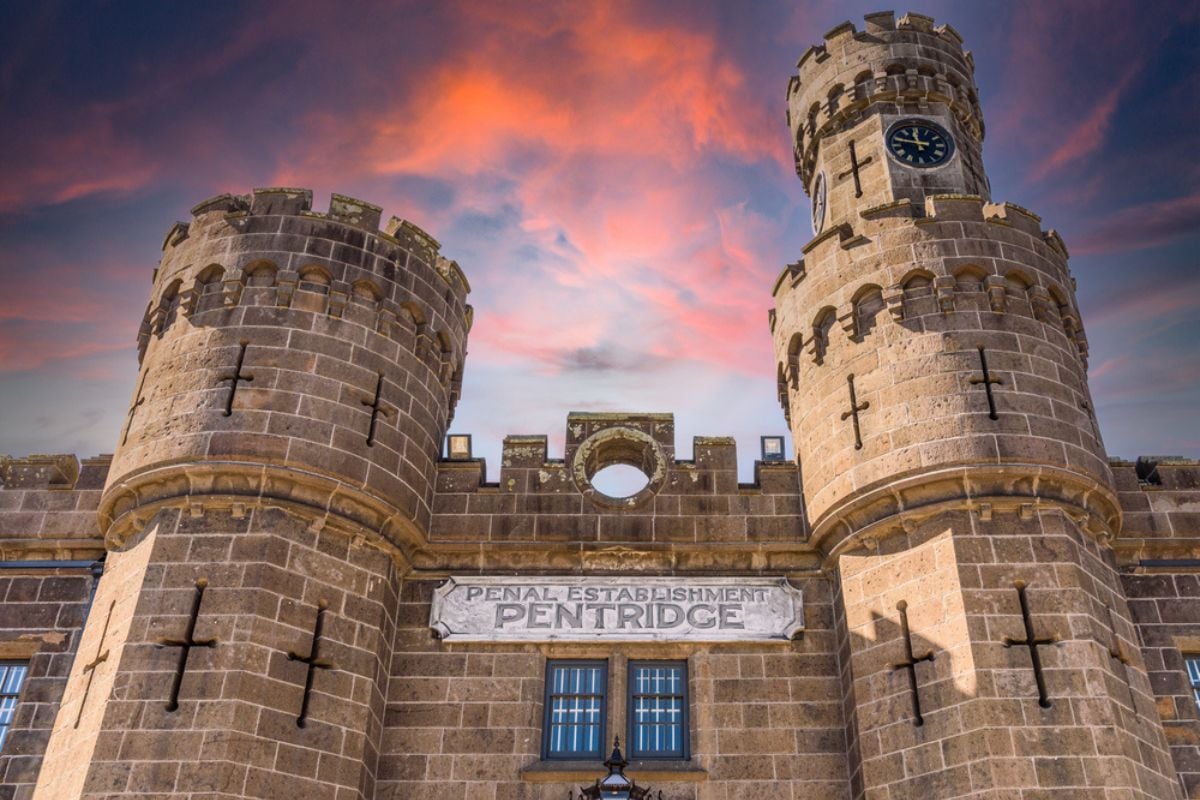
point(169, 303)
point(916, 291)
point(822, 325)
point(868, 302)
point(260, 274)
point(314, 279)
point(366, 292)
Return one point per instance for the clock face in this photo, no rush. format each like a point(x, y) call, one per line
point(818, 204)
point(919, 143)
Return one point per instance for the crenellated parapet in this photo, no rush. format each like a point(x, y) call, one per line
point(392, 280)
point(695, 504)
point(309, 358)
point(48, 507)
point(1013, 267)
point(906, 304)
point(1160, 497)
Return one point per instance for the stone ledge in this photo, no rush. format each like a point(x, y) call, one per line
point(644, 772)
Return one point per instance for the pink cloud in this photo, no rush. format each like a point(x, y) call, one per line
point(1146, 225)
point(1088, 136)
point(1151, 302)
point(23, 352)
point(601, 137)
point(1108, 367)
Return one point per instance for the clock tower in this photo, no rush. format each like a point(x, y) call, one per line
point(933, 369)
point(885, 123)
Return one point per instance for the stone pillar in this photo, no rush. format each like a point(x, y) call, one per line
point(983, 730)
point(232, 730)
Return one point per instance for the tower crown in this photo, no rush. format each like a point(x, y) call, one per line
point(310, 359)
point(926, 329)
point(852, 105)
point(891, 61)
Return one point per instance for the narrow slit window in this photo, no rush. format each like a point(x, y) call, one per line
point(575, 709)
point(12, 677)
point(658, 704)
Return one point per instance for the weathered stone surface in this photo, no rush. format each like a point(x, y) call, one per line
point(277, 519)
point(616, 609)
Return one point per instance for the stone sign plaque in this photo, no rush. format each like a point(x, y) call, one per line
point(580, 609)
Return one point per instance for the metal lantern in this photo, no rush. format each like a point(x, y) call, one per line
point(614, 785)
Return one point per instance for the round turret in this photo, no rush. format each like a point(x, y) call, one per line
point(856, 85)
point(305, 360)
point(926, 330)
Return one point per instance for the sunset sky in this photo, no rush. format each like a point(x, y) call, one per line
point(614, 178)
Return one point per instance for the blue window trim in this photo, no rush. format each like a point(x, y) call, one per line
point(547, 701)
point(684, 750)
point(1191, 664)
point(14, 696)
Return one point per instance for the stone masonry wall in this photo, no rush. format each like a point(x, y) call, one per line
point(37, 521)
point(689, 503)
point(464, 721)
point(238, 727)
point(985, 733)
point(43, 612)
point(47, 512)
point(1166, 611)
point(1159, 553)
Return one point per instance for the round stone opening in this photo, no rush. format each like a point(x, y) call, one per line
point(636, 463)
point(620, 481)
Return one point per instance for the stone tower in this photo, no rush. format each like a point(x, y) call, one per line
point(932, 367)
point(298, 374)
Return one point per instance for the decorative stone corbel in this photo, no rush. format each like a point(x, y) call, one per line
point(157, 317)
point(187, 301)
point(943, 290)
point(339, 293)
point(894, 300)
point(997, 293)
point(234, 284)
point(386, 319)
point(1039, 298)
point(285, 287)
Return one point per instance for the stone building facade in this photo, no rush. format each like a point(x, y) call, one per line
point(279, 586)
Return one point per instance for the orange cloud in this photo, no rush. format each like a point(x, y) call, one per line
point(599, 129)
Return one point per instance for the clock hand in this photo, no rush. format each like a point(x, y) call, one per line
point(917, 142)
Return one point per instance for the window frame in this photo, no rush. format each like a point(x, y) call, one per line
point(685, 744)
point(1191, 671)
point(6, 728)
point(548, 706)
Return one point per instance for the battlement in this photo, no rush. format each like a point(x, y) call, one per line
point(280, 336)
point(1021, 228)
point(905, 62)
point(343, 209)
point(238, 246)
point(540, 498)
point(48, 507)
point(57, 471)
point(1160, 501)
point(879, 24)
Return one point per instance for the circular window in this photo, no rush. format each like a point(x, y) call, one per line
point(632, 463)
point(620, 480)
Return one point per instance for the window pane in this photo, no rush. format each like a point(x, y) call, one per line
point(574, 726)
point(658, 709)
point(11, 677)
